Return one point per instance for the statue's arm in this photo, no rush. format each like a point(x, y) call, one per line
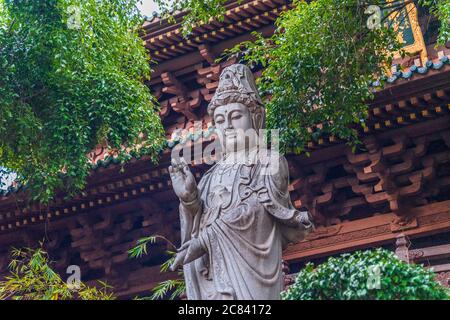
point(190, 213)
point(192, 207)
point(192, 246)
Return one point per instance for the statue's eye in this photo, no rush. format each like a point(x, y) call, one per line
point(220, 120)
point(236, 117)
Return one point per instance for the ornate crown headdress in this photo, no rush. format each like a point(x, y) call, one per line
point(236, 85)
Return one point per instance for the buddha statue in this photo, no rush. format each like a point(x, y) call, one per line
point(238, 219)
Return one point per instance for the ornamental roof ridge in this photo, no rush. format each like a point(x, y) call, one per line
point(409, 73)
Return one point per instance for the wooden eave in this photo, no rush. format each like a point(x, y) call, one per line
point(166, 42)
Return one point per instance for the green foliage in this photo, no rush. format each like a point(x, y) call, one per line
point(177, 287)
point(319, 66)
point(142, 244)
point(440, 9)
point(196, 11)
point(174, 287)
point(353, 276)
point(32, 278)
point(201, 11)
point(71, 77)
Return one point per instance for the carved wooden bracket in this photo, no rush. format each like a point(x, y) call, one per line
point(402, 248)
point(184, 101)
point(206, 53)
point(403, 223)
point(172, 85)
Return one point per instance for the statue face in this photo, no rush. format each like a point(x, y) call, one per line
point(234, 126)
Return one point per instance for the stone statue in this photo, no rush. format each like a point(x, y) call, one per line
point(236, 222)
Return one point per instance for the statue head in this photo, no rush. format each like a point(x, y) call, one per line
point(236, 109)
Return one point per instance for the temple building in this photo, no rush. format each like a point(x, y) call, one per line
point(394, 192)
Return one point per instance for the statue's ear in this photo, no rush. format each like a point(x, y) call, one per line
point(258, 121)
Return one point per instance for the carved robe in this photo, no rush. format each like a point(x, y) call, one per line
point(243, 219)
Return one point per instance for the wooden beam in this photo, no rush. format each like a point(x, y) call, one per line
point(369, 232)
point(430, 253)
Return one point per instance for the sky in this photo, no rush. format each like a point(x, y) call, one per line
point(148, 7)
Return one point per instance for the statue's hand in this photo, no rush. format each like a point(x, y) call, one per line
point(188, 252)
point(194, 251)
point(183, 181)
point(179, 258)
point(304, 219)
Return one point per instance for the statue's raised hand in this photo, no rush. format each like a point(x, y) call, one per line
point(183, 181)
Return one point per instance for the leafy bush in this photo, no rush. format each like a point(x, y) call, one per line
point(72, 77)
point(355, 277)
point(31, 277)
